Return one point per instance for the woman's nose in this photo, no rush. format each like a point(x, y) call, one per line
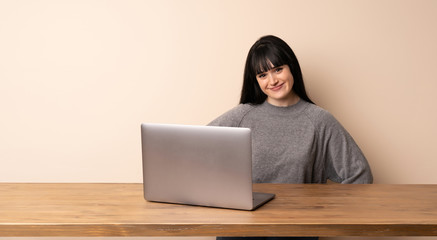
point(272, 79)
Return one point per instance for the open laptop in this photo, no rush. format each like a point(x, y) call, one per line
point(199, 165)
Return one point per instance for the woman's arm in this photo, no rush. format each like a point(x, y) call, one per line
point(344, 160)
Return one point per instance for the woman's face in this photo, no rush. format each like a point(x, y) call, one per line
point(277, 84)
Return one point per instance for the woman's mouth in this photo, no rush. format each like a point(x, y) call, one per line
point(278, 87)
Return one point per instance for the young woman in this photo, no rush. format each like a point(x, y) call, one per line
point(294, 141)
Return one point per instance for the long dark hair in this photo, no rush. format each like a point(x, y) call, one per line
point(267, 51)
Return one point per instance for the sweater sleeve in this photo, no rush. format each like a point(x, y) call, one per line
point(344, 161)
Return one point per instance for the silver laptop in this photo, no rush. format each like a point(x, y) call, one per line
point(199, 165)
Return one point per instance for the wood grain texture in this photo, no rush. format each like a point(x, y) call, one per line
point(50, 209)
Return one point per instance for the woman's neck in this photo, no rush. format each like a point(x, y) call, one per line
point(291, 99)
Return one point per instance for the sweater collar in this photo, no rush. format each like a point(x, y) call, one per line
point(297, 107)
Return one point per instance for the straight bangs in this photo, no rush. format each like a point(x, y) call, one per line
point(265, 58)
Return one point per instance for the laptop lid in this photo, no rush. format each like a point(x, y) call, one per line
point(198, 165)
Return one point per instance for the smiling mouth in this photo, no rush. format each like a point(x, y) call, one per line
point(276, 88)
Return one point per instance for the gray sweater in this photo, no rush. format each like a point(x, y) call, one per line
point(302, 143)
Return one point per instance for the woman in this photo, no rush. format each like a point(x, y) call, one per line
point(294, 141)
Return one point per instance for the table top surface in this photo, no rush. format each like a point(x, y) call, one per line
point(93, 209)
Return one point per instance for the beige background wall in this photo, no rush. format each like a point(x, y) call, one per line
point(78, 77)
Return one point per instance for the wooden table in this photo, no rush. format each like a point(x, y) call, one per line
point(74, 210)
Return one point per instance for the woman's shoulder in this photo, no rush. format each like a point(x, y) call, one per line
point(233, 117)
point(319, 116)
point(242, 108)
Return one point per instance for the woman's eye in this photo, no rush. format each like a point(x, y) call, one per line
point(278, 69)
point(262, 75)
